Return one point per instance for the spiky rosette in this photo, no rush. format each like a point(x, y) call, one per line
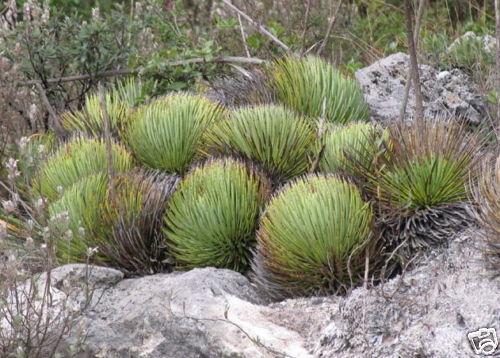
point(76, 216)
point(164, 134)
point(212, 217)
point(313, 87)
point(346, 146)
point(272, 137)
point(487, 196)
point(75, 160)
point(133, 218)
point(313, 238)
point(420, 182)
point(118, 101)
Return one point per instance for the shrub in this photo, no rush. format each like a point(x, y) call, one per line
point(310, 236)
point(314, 88)
point(212, 217)
point(420, 181)
point(75, 160)
point(165, 134)
point(133, 218)
point(271, 136)
point(487, 195)
point(346, 146)
point(77, 214)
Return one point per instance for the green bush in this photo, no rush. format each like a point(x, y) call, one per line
point(82, 203)
point(309, 233)
point(212, 217)
point(314, 88)
point(349, 146)
point(75, 160)
point(165, 134)
point(271, 136)
point(420, 181)
point(133, 217)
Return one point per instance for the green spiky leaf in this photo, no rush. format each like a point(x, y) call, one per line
point(270, 136)
point(212, 217)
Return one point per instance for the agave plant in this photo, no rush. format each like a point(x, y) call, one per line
point(487, 196)
point(164, 134)
point(270, 136)
point(314, 88)
point(420, 182)
point(133, 218)
point(313, 233)
point(212, 217)
point(75, 160)
point(350, 145)
point(118, 102)
point(76, 216)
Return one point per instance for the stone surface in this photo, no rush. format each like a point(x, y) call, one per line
point(201, 313)
point(447, 93)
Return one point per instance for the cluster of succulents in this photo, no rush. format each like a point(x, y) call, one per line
point(302, 194)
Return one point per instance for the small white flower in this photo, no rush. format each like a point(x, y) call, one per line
point(59, 189)
point(81, 231)
point(39, 204)
point(91, 251)
point(43, 246)
point(29, 244)
point(3, 230)
point(23, 142)
point(68, 234)
point(9, 206)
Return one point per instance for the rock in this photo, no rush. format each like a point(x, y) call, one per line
point(488, 41)
point(447, 93)
point(427, 312)
point(200, 313)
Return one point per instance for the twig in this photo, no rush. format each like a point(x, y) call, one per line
point(191, 61)
point(333, 18)
point(243, 36)
point(259, 28)
point(52, 113)
point(418, 22)
point(414, 62)
point(306, 21)
point(107, 136)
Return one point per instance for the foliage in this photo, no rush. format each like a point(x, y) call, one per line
point(314, 88)
point(212, 217)
point(78, 214)
point(310, 237)
point(133, 217)
point(350, 144)
point(487, 195)
point(420, 181)
point(75, 160)
point(165, 134)
point(271, 136)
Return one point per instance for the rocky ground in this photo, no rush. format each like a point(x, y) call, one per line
point(427, 312)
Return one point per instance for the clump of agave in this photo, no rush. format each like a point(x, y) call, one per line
point(419, 183)
point(314, 88)
point(118, 102)
point(350, 145)
point(132, 213)
point(212, 217)
point(487, 195)
point(272, 137)
point(75, 160)
point(313, 238)
point(165, 134)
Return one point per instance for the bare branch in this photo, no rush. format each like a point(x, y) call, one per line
point(333, 18)
point(259, 28)
point(413, 61)
point(191, 61)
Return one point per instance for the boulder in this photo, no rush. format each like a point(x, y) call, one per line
point(200, 313)
point(445, 93)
